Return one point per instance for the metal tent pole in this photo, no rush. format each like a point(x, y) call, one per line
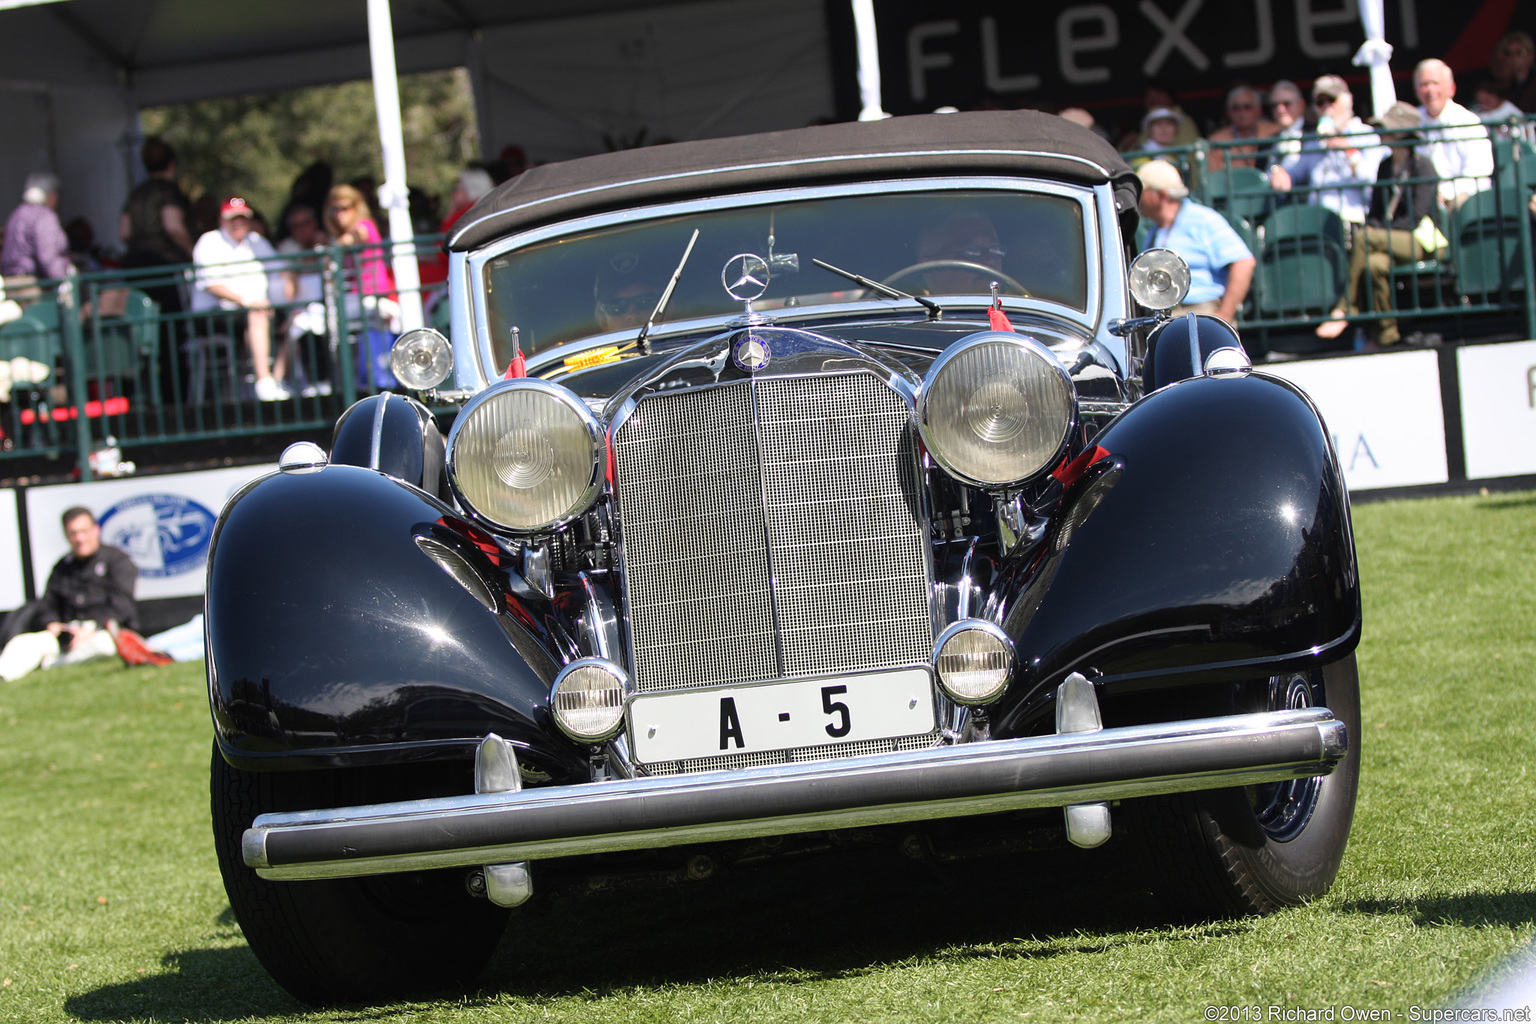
point(392, 194)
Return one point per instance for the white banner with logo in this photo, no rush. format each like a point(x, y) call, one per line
point(1384, 413)
point(1498, 408)
point(164, 523)
point(13, 593)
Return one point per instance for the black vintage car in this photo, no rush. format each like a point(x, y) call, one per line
point(800, 483)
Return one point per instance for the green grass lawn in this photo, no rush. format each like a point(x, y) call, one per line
point(111, 906)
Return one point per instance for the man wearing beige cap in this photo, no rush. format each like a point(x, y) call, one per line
point(1220, 264)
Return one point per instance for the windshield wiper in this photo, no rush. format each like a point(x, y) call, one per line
point(934, 312)
point(666, 295)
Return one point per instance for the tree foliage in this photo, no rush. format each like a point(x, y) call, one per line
point(255, 146)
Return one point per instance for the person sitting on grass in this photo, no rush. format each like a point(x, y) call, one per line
point(88, 600)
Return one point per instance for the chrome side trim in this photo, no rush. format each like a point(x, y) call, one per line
point(601, 618)
point(646, 813)
point(376, 448)
point(1114, 285)
point(967, 582)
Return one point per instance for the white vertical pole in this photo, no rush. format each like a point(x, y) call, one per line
point(869, 61)
point(1377, 55)
point(392, 194)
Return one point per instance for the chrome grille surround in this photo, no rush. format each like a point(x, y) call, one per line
point(772, 528)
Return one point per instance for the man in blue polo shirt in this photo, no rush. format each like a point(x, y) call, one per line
point(1220, 265)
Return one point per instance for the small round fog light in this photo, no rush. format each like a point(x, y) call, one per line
point(974, 659)
point(588, 699)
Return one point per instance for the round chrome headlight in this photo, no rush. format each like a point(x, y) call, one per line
point(995, 409)
point(974, 659)
point(524, 455)
point(587, 699)
point(421, 359)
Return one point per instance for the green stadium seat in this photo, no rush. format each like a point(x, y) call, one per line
point(1303, 262)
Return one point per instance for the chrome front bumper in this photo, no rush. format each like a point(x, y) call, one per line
point(645, 813)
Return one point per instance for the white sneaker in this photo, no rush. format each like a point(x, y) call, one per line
point(270, 389)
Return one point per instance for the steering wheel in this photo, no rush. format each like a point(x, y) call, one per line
point(1005, 283)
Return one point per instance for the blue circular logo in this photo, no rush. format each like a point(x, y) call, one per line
point(164, 534)
point(752, 352)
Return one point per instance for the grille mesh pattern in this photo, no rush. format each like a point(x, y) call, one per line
point(697, 569)
point(848, 547)
point(829, 512)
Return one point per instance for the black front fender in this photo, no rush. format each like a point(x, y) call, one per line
point(1211, 541)
point(337, 635)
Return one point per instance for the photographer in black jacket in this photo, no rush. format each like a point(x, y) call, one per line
point(88, 598)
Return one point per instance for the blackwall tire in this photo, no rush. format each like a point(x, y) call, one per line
point(1254, 851)
point(353, 940)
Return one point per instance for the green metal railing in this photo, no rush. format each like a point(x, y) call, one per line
point(117, 359)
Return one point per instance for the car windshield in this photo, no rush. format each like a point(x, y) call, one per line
point(927, 243)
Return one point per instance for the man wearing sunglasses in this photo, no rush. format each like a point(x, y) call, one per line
point(1293, 159)
point(626, 291)
point(1245, 121)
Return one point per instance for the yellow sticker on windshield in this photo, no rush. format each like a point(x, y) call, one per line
point(596, 357)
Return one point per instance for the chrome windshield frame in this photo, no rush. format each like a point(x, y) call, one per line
point(474, 350)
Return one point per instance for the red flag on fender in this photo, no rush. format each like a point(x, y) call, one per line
point(996, 318)
point(517, 367)
point(1070, 472)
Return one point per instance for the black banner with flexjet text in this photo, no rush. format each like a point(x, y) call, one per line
point(977, 53)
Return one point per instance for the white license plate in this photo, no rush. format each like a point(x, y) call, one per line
point(778, 716)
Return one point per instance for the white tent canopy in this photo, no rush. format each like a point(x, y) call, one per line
point(559, 77)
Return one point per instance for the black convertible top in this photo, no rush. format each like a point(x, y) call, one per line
point(994, 141)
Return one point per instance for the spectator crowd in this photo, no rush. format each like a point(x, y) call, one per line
point(260, 281)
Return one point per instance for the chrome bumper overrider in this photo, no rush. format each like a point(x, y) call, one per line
point(633, 814)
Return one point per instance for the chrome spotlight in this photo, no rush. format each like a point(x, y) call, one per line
point(421, 359)
point(1159, 279)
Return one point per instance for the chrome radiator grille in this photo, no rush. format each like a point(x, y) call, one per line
point(772, 529)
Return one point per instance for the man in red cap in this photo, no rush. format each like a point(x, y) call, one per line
point(232, 275)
